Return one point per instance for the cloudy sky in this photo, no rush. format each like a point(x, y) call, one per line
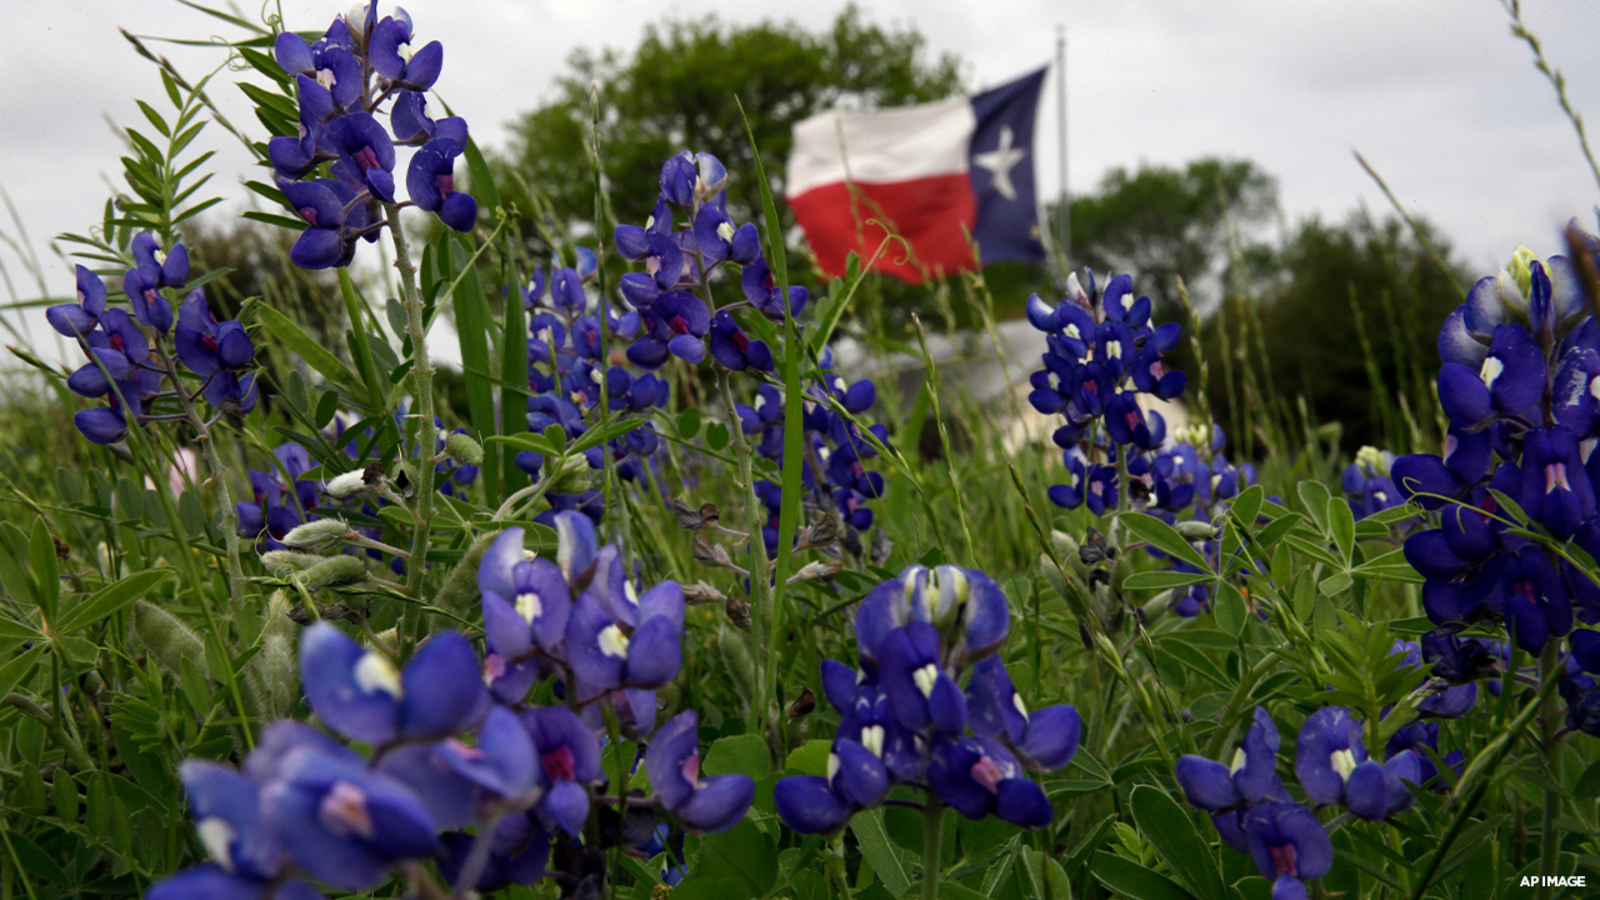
point(1435, 93)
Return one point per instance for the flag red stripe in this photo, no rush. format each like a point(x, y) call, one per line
point(930, 213)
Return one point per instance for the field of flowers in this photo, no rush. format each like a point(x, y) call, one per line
point(652, 600)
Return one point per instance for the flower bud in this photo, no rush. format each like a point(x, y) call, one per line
point(1065, 545)
point(280, 677)
point(734, 649)
point(334, 572)
point(1521, 270)
point(168, 641)
point(357, 483)
point(460, 589)
point(1374, 460)
point(282, 563)
point(700, 592)
point(320, 536)
point(1196, 530)
point(571, 475)
point(464, 450)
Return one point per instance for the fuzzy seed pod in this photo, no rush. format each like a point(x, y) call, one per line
point(464, 450)
point(334, 571)
point(321, 536)
point(167, 639)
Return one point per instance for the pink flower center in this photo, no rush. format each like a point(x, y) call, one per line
point(1283, 858)
point(446, 184)
point(559, 764)
point(740, 341)
point(679, 325)
point(367, 158)
point(309, 213)
point(986, 773)
point(691, 769)
point(1555, 476)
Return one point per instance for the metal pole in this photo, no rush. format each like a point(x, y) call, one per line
point(1061, 141)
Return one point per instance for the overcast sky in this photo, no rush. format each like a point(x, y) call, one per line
point(1435, 93)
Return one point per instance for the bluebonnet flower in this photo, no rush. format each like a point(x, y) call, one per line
point(278, 505)
point(246, 857)
point(413, 71)
point(1333, 767)
point(903, 716)
point(152, 271)
point(335, 222)
point(430, 181)
point(1367, 485)
point(360, 694)
point(79, 319)
point(580, 617)
point(338, 126)
point(1096, 343)
point(1450, 702)
point(1254, 814)
point(1289, 846)
point(703, 805)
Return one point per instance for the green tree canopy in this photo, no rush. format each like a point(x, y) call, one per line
point(676, 92)
point(1162, 224)
point(1351, 323)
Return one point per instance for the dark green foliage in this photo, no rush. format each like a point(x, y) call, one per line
point(1163, 224)
point(1351, 319)
point(675, 93)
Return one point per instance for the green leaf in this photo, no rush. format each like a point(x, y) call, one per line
point(1314, 495)
point(46, 569)
point(19, 667)
point(481, 180)
point(472, 330)
point(1335, 584)
point(1164, 537)
point(192, 515)
point(33, 859)
point(20, 630)
point(110, 599)
point(293, 338)
point(810, 758)
point(716, 436)
point(1342, 525)
point(1168, 828)
point(360, 343)
point(743, 754)
point(1248, 506)
point(689, 423)
point(529, 441)
point(744, 854)
point(878, 852)
point(1129, 879)
point(1228, 608)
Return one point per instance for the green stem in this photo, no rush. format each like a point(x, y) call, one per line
point(73, 749)
point(759, 590)
point(219, 475)
point(1549, 726)
point(422, 380)
point(932, 843)
point(944, 441)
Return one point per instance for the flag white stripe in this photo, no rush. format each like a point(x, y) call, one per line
point(881, 146)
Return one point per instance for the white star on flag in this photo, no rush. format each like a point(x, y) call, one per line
point(1000, 161)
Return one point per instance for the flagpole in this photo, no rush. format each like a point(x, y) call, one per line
point(1065, 241)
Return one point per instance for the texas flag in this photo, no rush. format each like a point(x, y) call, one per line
point(929, 173)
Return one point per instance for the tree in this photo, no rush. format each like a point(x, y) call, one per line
point(1161, 224)
point(1351, 324)
point(676, 92)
